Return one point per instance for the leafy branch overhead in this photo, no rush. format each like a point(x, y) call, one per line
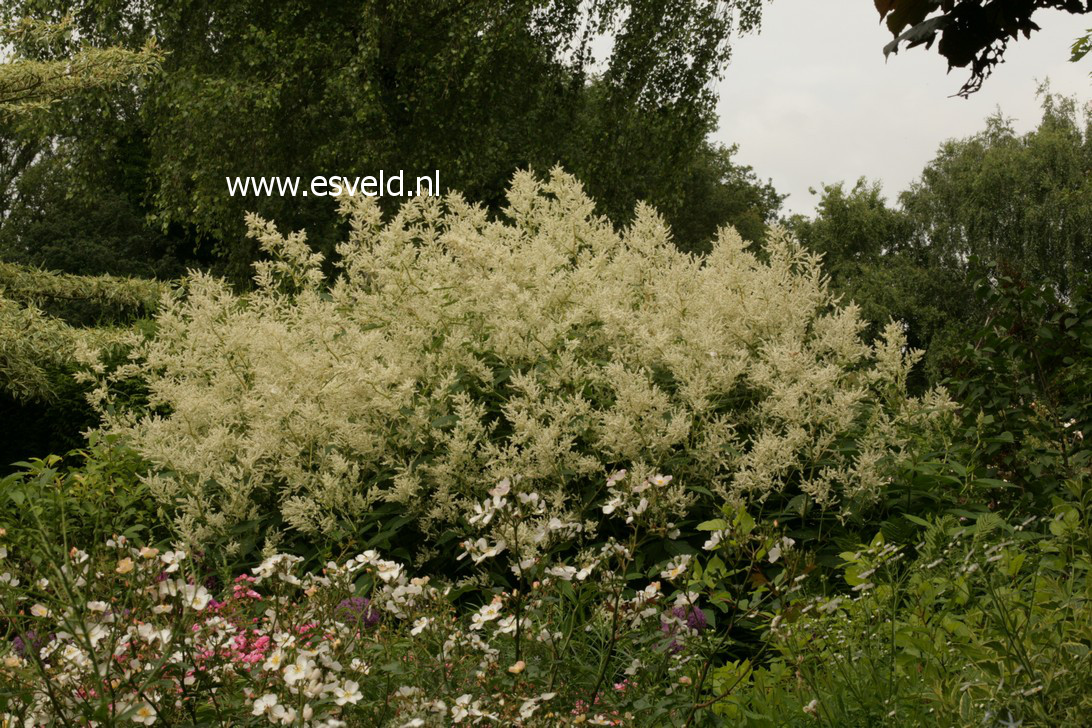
point(972, 33)
point(1081, 47)
point(32, 84)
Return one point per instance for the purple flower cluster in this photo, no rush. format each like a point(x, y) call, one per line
point(692, 617)
point(29, 640)
point(357, 610)
point(695, 618)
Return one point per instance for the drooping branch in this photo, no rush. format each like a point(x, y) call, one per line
point(29, 84)
point(971, 33)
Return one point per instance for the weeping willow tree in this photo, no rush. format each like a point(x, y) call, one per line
point(46, 317)
point(38, 339)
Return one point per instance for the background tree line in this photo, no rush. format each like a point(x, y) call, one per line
point(997, 203)
point(133, 181)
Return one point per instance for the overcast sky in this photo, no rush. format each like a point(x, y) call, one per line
point(811, 99)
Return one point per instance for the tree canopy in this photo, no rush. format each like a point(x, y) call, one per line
point(1016, 205)
point(476, 90)
point(1021, 200)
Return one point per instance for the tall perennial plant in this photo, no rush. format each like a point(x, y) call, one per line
point(453, 350)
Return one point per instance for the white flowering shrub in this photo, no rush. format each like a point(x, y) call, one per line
point(452, 351)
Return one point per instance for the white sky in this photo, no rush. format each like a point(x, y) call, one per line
point(810, 99)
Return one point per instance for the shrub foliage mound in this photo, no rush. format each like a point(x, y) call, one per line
point(453, 350)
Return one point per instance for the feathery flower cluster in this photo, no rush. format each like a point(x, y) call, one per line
point(455, 350)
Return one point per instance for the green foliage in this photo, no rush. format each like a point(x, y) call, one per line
point(989, 623)
point(44, 319)
point(31, 344)
point(717, 193)
point(56, 85)
point(854, 227)
point(1021, 201)
point(119, 298)
point(54, 415)
point(60, 221)
point(868, 254)
point(1023, 384)
point(79, 499)
point(59, 68)
point(1081, 47)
